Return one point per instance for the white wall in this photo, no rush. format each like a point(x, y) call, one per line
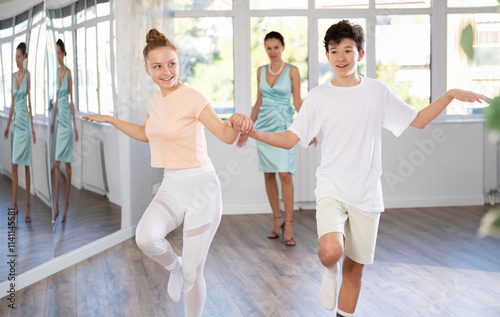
point(442, 165)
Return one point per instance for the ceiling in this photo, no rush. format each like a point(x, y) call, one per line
point(11, 8)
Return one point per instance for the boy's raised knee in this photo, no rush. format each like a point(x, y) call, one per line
point(331, 248)
point(329, 255)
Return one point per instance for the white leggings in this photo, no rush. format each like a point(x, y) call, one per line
point(191, 195)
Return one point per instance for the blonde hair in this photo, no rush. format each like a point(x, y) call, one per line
point(155, 39)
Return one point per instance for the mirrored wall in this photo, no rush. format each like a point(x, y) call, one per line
point(60, 173)
point(83, 156)
point(24, 146)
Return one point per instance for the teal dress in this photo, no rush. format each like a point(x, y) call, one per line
point(65, 134)
point(275, 115)
point(21, 142)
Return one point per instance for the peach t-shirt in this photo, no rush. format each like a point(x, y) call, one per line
point(176, 136)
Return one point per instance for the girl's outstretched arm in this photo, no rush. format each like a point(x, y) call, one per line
point(135, 131)
point(285, 140)
point(222, 131)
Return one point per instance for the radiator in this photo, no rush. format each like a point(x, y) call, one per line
point(93, 170)
point(6, 156)
point(40, 171)
point(306, 162)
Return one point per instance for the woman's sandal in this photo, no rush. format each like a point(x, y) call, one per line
point(289, 242)
point(27, 219)
point(65, 213)
point(274, 235)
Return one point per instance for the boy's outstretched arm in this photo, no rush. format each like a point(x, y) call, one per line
point(429, 113)
point(285, 140)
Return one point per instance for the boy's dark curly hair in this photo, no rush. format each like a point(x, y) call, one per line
point(344, 29)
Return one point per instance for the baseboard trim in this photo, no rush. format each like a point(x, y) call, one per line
point(422, 202)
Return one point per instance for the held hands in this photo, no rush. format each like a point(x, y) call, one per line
point(314, 141)
point(242, 140)
point(241, 123)
point(468, 96)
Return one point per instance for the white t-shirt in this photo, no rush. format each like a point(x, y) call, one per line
point(351, 121)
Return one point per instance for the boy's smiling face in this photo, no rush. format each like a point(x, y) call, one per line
point(344, 58)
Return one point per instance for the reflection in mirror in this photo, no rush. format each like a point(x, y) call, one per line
point(84, 156)
point(24, 180)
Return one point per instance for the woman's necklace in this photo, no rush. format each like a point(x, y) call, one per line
point(17, 75)
point(279, 71)
point(62, 70)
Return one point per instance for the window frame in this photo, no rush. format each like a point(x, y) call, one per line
point(241, 14)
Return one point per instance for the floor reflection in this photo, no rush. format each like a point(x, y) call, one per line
point(90, 216)
point(34, 244)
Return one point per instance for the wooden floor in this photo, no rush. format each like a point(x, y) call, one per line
point(428, 263)
point(33, 240)
point(90, 217)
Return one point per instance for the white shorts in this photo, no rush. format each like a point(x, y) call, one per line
point(358, 227)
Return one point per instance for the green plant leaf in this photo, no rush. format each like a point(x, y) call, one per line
point(466, 41)
point(492, 115)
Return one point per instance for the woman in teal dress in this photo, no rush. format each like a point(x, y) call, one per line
point(20, 114)
point(64, 110)
point(272, 112)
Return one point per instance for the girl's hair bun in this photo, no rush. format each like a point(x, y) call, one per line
point(155, 35)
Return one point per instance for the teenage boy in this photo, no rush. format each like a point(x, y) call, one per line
point(350, 111)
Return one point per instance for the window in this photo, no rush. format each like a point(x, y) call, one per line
point(202, 5)
point(40, 74)
point(482, 73)
point(403, 52)
point(36, 69)
point(6, 74)
point(81, 71)
point(277, 4)
point(91, 69)
point(386, 4)
point(472, 3)
point(21, 22)
point(104, 69)
point(341, 4)
point(205, 49)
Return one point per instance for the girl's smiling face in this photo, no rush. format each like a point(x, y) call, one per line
point(163, 67)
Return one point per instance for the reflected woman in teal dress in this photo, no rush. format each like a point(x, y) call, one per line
point(20, 114)
point(64, 110)
point(272, 112)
